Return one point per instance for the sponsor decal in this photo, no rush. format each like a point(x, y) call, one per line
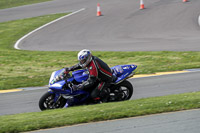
point(56, 85)
point(126, 74)
point(132, 66)
point(119, 70)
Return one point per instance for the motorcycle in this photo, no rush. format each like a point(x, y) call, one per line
point(61, 94)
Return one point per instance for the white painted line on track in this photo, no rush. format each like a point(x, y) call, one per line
point(16, 46)
point(199, 20)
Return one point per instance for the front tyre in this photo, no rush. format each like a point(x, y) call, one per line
point(47, 102)
point(124, 91)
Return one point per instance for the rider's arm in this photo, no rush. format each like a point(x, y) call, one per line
point(67, 70)
point(72, 68)
point(75, 67)
point(87, 84)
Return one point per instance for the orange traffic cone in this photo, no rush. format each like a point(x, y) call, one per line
point(185, 0)
point(98, 10)
point(141, 4)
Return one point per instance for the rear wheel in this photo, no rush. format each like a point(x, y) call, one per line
point(47, 102)
point(123, 91)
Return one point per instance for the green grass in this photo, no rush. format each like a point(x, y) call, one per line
point(28, 68)
point(23, 64)
point(19, 68)
point(100, 112)
point(13, 3)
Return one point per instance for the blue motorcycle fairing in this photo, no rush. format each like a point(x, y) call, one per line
point(120, 71)
point(76, 99)
point(81, 75)
point(58, 85)
point(69, 93)
point(70, 79)
point(80, 92)
point(123, 71)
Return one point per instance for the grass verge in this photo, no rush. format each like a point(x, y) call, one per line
point(13, 3)
point(100, 112)
point(19, 68)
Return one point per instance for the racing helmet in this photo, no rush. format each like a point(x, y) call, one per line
point(84, 57)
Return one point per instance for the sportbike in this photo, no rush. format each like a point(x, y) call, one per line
point(61, 94)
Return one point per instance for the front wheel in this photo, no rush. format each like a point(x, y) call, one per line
point(123, 91)
point(47, 102)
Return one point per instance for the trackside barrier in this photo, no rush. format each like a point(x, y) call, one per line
point(199, 20)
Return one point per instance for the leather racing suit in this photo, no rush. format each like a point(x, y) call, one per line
point(99, 72)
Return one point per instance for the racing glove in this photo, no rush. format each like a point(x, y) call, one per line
point(67, 70)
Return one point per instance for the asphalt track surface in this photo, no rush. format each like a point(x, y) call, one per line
point(164, 25)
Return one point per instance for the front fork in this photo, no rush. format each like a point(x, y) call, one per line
point(57, 96)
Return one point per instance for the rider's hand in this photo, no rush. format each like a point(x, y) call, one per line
point(57, 78)
point(67, 70)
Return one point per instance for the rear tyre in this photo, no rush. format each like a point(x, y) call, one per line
point(47, 102)
point(123, 91)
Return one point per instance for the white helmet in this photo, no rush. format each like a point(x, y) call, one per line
point(84, 57)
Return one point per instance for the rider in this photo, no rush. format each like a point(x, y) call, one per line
point(99, 72)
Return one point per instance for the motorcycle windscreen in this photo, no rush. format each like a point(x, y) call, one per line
point(54, 74)
point(58, 85)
